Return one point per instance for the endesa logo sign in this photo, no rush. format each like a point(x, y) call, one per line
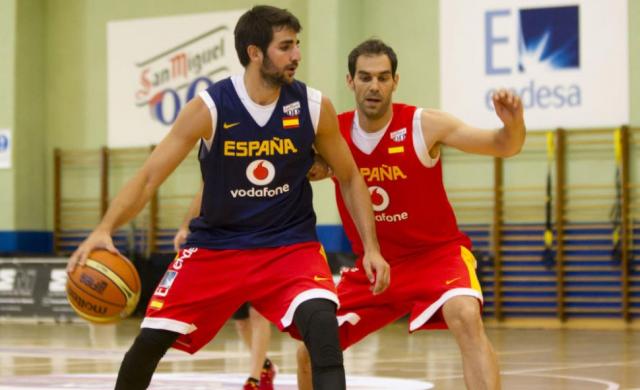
point(568, 61)
point(548, 40)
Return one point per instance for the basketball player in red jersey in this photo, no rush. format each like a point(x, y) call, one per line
point(254, 240)
point(397, 148)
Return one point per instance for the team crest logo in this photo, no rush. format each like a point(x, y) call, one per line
point(399, 135)
point(165, 284)
point(292, 109)
point(261, 172)
point(379, 198)
point(167, 279)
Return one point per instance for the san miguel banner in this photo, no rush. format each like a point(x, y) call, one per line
point(155, 66)
point(568, 60)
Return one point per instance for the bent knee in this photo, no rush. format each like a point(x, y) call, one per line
point(462, 314)
point(323, 342)
point(316, 320)
point(325, 320)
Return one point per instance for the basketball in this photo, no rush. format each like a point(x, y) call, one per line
point(106, 289)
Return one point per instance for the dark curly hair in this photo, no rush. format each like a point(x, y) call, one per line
point(372, 47)
point(255, 27)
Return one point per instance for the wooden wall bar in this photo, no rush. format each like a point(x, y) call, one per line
point(633, 248)
point(104, 180)
point(560, 161)
point(496, 233)
point(504, 217)
point(57, 198)
point(625, 219)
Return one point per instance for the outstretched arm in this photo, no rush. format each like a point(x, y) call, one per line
point(193, 123)
point(442, 128)
point(334, 149)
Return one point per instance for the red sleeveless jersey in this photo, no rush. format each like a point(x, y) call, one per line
point(410, 204)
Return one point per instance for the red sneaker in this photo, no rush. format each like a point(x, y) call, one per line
point(249, 385)
point(267, 375)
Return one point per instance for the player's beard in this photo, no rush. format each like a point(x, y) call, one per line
point(377, 113)
point(272, 75)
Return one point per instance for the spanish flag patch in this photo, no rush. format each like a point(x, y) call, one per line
point(156, 304)
point(290, 122)
point(396, 149)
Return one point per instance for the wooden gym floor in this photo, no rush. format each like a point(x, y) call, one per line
point(76, 356)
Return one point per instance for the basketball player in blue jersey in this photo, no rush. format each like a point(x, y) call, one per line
point(252, 327)
point(255, 239)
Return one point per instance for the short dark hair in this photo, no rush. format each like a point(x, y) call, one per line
point(255, 27)
point(372, 46)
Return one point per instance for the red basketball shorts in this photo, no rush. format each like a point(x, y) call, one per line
point(202, 288)
point(419, 287)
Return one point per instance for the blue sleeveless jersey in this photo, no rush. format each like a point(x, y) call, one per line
point(256, 193)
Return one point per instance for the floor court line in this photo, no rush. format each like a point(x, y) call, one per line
point(572, 367)
point(610, 385)
point(532, 371)
point(530, 359)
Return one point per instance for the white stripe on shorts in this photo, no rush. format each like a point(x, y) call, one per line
point(427, 314)
point(168, 324)
point(303, 297)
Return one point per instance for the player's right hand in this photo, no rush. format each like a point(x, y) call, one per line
point(97, 239)
point(377, 270)
point(319, 170)
point(180, 238)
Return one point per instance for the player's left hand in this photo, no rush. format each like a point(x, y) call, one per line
point(180, 238)
point(319, 170)
point(99, 238)
point(508, 107)
point(377, 270)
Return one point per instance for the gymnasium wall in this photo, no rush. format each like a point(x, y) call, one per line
point(30, 136)
point(23, 186)
point(53, 90)
point(7, 89)
point(634, 61)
